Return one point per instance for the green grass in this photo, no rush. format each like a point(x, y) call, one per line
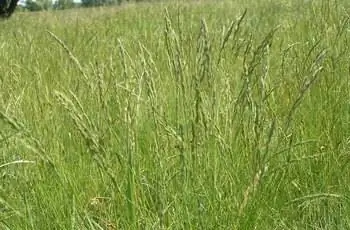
point(177, 115)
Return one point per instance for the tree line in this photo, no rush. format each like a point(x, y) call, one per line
point(38, 5)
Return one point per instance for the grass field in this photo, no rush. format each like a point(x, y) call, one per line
point(180, 115)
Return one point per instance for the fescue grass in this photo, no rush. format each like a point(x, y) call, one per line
point(176, 115)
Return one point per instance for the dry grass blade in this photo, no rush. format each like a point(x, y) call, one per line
point(17, 162)
point(251, 189)
point(315, 197)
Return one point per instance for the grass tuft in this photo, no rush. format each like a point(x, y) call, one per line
point(177, 115)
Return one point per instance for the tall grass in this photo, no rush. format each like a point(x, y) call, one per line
point(201, 115)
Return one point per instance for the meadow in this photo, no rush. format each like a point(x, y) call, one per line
point(177, 115)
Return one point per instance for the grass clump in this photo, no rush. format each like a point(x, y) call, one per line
point(176, 116)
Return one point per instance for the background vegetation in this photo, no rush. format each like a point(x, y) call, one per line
point(41, 5)
point(182, 115)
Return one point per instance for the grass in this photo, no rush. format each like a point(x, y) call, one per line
point(176, 115)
